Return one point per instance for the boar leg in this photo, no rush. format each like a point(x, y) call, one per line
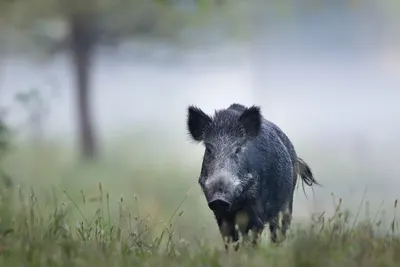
point(287, 219)
point(273, 228)
point(256, 236)
point(274, 225)
point(227, 230)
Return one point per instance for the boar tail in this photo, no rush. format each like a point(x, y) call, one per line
point(307, 176)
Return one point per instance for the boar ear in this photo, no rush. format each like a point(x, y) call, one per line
point(251, 121)
point(197, 122)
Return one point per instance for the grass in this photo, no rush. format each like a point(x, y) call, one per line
point(122, 212)
point(36, 239)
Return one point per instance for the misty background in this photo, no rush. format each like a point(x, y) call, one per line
point(326, 72)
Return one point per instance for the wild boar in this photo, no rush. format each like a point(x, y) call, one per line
point(249, 170)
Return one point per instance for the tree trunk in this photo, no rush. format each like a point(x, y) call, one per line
point(82, 44)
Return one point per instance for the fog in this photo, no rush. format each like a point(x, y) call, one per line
point(330, 81)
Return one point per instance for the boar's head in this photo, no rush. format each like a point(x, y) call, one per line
point(226, 175)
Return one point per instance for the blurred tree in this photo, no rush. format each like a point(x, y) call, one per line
point(88, 24)
point(36, 108)
point(82, 41)
point(6, 182)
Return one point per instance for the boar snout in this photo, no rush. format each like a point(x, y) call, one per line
point(220, 204)
point(221, 189)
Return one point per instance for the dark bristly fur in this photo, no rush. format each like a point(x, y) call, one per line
point(249, 170)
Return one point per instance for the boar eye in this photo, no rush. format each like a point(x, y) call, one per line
point(238, 150)
point(208, 150)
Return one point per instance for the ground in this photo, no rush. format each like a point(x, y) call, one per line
point(127, 212)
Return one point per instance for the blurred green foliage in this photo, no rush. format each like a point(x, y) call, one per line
point(6, 182)
point(45, 22)
point(3, 136)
